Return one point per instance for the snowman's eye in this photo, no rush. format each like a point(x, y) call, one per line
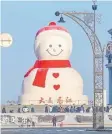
point(59, 45)
point(50, 45)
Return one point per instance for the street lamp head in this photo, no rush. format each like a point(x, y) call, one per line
point(110, 31)
point(94, 7)
point(57, 13)
point(61, 20)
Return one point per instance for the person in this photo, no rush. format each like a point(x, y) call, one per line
point(28, 122)
point(74, 108)
point(33, 124)
point(19, 110)
point(107, 109)
point(88, 109)
point(54, 120)
point(91, 110)
point(71, 109)
point(46, 109)
point(11, 111)
point(82, 109)
point(50, 109)
point(4, 110)
point(32, 110)
point(61, 109)
point(67, 109)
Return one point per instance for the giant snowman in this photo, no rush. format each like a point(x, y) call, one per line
point(52, 79)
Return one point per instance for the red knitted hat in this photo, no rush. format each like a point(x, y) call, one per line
point(51, 26)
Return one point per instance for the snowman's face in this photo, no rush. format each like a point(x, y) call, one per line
point(53, 47)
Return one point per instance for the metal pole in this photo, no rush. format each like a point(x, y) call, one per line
point(103, 87)
point(98, 112)
point(94, 106)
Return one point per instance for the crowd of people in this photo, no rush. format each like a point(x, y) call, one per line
point(57, 109)
point(73, 109)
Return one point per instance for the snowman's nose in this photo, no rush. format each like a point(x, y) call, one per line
point(54, 49)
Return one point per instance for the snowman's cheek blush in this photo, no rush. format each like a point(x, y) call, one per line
point(54, 54)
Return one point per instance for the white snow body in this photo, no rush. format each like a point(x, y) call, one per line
point(54, 45)
point(69, 82)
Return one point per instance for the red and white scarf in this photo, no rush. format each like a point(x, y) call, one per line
point(43, 66)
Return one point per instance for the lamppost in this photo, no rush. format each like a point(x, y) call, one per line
point(87, 22)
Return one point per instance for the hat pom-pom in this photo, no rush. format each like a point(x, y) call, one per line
point(52, 24)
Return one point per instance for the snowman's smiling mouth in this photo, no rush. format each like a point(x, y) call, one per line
point(54, 54)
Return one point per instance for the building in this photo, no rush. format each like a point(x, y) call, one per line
point(109, 66)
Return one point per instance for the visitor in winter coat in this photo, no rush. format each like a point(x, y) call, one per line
point(46, 109)
point(54, 120)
